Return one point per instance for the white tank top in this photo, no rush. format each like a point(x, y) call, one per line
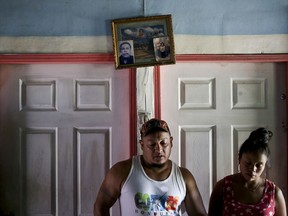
point(141, 195)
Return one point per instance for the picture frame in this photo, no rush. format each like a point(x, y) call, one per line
point(143, 41)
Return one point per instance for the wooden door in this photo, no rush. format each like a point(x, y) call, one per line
point(212, 107)
point(62, 126)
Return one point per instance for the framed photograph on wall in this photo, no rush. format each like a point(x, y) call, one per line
point(143, 41)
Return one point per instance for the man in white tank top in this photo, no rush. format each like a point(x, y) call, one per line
point(150, 184)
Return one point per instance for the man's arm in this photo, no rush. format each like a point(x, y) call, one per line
point(193, 200)
point(110, 189)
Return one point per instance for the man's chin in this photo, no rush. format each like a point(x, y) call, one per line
point(160, 161)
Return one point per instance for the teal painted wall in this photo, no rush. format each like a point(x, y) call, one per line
point(93, 17)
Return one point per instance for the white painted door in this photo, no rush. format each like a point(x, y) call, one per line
point(212, 107)
point(62, 126)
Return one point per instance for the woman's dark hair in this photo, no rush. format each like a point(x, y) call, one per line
point(257, 142)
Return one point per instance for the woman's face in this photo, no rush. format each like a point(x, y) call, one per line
point(252, 165)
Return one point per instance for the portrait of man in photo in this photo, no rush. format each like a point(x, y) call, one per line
point(126, 55)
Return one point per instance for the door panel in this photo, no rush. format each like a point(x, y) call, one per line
point(212, 108)
point(62, 127)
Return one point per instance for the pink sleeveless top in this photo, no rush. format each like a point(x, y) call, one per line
point(265, 207)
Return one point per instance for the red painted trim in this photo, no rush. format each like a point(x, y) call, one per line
point(82, 59)
point(108, 58)
point(55, 58)
point(215, 58)
point(133, 112)
point(233, 58)
point(157, 92)
point(286, 112)
point(269, 58)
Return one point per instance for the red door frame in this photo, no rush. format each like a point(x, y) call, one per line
point(243, 58)
point(109, 59)
point(82, 59)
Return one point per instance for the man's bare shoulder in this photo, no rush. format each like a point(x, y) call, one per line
point(121, 169)
point(187, 175)
point(123, 165)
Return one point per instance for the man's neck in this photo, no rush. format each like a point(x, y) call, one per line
point(157, 172)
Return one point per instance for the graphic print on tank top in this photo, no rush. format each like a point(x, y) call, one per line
point(141, 195)
point(157, 203)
